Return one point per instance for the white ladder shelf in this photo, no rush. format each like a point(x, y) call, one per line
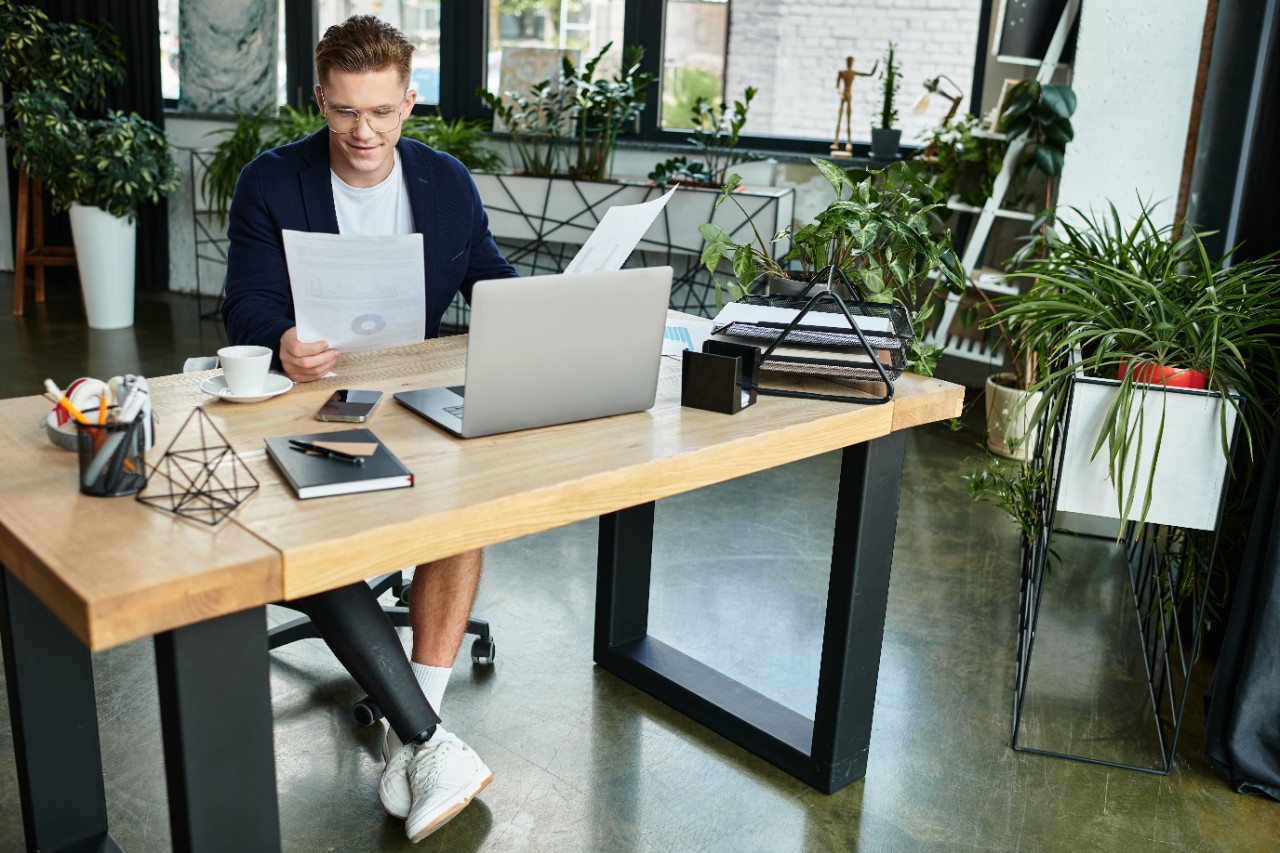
point(992, 281)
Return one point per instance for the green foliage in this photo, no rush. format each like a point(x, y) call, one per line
point(536, 122)
point(79, 62)
point(594, 110)
point(1043, 114)
point(261, 130)
point(1147, 294)
point(1014, 487)
point(54, 69)
point(715, 134)
point(605, 107)
point(880, 234)
point(889, 80)
point(966, 165)
point(116, 163)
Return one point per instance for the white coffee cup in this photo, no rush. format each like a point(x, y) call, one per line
point(245, 369)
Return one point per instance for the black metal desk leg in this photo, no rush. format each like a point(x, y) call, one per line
point(622, 577)
point(49, 675)
point(215, 706)
point(861, 557)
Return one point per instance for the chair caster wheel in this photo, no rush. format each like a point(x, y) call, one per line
point(366, 713)
point(483, 650)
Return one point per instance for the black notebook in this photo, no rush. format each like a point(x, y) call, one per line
point(314, 475)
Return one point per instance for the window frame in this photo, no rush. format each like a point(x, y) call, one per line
point(463, 62)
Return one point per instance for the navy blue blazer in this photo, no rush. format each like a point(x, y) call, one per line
point(289, 187)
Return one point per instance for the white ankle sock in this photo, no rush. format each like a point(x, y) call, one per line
point(433, 680)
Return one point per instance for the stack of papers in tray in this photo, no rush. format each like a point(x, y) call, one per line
point(822, 339)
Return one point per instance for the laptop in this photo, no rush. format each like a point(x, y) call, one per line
point(555, 349)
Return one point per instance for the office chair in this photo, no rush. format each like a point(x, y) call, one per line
point(366, 712)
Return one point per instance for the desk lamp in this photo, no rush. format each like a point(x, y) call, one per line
point(931, 87)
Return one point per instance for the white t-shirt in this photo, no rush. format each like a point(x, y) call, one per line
point(378, 211)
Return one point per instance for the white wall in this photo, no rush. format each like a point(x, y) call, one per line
point(1134, 75)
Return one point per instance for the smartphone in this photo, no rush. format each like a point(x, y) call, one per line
point(349, 406)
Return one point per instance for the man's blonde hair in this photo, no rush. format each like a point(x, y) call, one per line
point(363, 44)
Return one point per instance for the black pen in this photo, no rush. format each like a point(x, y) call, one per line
point(304, 447)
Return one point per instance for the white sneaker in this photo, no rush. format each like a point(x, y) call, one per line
point(444, 775)
point(393, 790)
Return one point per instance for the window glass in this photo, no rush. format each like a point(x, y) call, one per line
point(419, 20)
point(695, 41)
point(169, 84)
point(528, 37)
point(792, 53)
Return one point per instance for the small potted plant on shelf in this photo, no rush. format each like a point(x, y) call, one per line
point(716, 129)
point(964, 166)
point(1140, 308)
point(884, 136)
point(880, 235)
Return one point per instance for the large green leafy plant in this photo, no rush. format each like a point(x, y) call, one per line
point(54, 70)
point(606, 106)
point(879, 231)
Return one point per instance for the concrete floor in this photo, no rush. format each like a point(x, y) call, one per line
point(583, 762)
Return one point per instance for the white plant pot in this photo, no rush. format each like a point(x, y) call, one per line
point(1009, 410)
point(1189, 477)
point(105, 257)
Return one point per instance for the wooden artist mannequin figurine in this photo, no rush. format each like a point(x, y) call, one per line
point(844, 82)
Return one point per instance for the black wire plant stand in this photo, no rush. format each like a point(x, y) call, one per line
point(1170, 641)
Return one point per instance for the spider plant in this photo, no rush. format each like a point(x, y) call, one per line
point(1105, 295)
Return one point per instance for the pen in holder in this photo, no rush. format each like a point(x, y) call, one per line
point(111, 458)
point(721, 378)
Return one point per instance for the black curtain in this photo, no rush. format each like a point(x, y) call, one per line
point(137, 24)
point(1234, 184)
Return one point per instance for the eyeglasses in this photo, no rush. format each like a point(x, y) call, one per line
point(381, 119)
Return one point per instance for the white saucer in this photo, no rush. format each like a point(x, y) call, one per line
point(274, 385)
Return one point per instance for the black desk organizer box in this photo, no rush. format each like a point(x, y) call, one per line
point(703, 375)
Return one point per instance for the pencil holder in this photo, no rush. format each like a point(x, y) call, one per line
point(111, 459)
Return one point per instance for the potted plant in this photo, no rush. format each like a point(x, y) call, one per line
point(101, 170)
point(716, 129)
point(1042, 113)
point(1113, 309)
point(963, 166)
point(884, 136)
point(880, 235)
point(605, 107)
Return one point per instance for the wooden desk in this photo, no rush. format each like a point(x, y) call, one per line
point(202, 591)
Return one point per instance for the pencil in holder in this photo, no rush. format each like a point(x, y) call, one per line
point(111, 458)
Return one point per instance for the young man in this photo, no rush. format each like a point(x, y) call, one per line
point(358, 176)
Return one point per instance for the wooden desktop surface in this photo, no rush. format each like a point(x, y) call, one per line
point(467, 494)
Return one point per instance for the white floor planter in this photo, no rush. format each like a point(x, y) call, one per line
point(1008, 411)
point(1188, 483)
point(105, 257)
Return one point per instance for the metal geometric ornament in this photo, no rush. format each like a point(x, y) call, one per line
point(199, 477)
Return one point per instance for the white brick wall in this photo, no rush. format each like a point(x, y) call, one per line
point(791, 50)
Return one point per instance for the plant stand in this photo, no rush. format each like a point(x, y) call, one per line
point(1169, 641)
